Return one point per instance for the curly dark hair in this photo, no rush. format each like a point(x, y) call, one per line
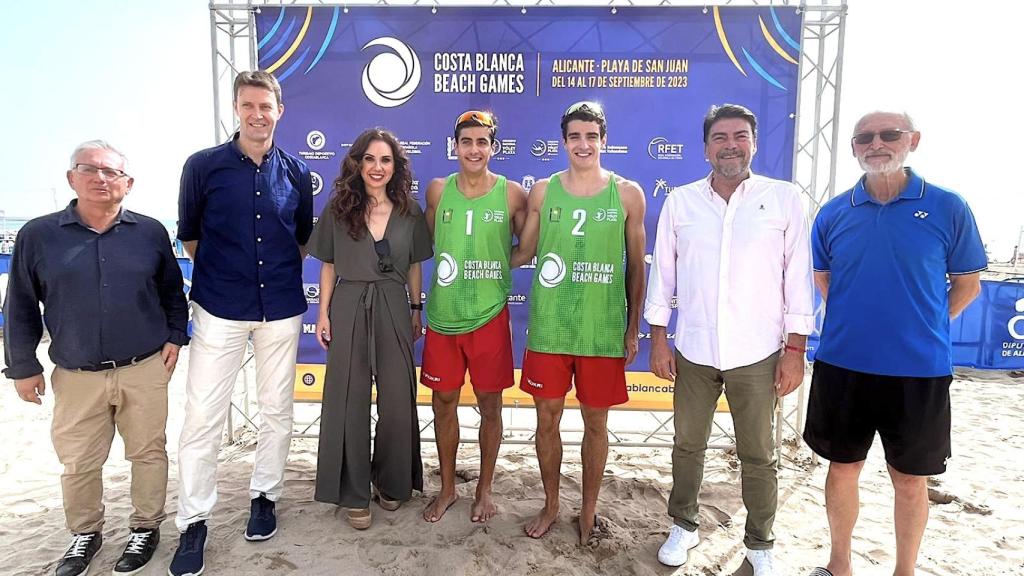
point(349, 200)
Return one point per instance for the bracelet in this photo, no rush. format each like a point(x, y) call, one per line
point(416, 306)
point(795, 349)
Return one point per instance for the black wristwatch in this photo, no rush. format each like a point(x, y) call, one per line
point(416, 306)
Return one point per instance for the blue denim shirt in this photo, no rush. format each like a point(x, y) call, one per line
point(250, 222)
point(108, 296)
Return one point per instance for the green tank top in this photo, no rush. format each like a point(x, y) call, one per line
point(578, 298)
point(472, 247)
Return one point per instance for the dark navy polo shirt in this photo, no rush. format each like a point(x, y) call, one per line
point(107, 296)
point(250, 222)
point(887, 310)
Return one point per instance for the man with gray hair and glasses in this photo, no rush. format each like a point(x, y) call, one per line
point(883, 252)
point(117, 316)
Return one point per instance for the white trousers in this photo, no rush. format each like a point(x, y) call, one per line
point(215, 357)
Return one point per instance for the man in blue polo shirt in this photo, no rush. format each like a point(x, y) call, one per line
point(882, 254)
point(245, 214)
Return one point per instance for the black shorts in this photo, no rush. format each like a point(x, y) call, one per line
point(912, 416)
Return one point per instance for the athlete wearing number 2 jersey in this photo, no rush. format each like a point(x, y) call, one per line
point(586, 227)
point(472, 215)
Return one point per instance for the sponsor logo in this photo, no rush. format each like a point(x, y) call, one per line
point(312, 293)
point(447, 269)
point(614, 149)
point(534, 383)
point(528, 182)
point(413, 147)
point(446, 216)
point(551, 270)
point(316, 140)
point(318, 182)
point(661, 186)
point(609, 214)
point(516, 298)
point(660, 148)
point(450, 148)
point(391, 77)
point(555, 215)
point(494, 216)
point(430, 377)
point(1016, 324)
point(544, 149)
point(920, 214)
point(414, 188)
point(308, 379)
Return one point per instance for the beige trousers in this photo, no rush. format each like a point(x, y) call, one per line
point(88, 406)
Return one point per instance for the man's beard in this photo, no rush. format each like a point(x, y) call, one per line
point(895, 164)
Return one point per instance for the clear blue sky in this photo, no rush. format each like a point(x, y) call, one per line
point(137, 73)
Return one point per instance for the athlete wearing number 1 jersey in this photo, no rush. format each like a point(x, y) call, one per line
point(472, 215)
point(586, 227)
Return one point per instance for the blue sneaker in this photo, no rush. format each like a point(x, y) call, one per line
point(188, 558)
point(262, 521)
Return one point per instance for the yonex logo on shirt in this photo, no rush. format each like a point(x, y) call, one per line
point(920, 214)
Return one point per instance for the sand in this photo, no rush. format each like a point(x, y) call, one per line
point(976, 526)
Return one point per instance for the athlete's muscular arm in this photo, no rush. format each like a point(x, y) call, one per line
point(516, 207)
point(636, 237)
point(528, 237)
point(434, 190)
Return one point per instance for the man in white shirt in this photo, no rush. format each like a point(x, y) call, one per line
point(734, 249)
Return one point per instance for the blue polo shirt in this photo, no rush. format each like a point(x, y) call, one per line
point(887, 310)
point(250, 222)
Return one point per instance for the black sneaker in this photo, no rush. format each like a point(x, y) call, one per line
point(188, 558)
point(76, 560)
point(262, 521)
point(141, 545)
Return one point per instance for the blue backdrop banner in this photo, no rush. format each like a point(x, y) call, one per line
point(413, 70)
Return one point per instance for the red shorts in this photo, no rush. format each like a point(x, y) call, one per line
point(487, 351)
point(600, 380)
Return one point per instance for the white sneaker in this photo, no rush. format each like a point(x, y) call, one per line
point(673, 552)
point(761, 561)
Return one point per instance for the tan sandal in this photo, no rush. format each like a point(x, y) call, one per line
point(389, 505)
point(359, 518)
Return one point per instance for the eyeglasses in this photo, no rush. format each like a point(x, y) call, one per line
point(383, 249)
point(90, 170)
point(592, 107)
point(893, 135)
point(483, 118)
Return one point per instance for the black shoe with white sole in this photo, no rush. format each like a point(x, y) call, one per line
point(80, 554)
point(138, 552)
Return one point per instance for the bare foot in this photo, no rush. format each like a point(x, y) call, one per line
point(483, 507)
point(541, 523)
point(438, 506)
point(586, 527)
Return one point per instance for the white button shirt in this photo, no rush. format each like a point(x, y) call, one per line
point(741, 271)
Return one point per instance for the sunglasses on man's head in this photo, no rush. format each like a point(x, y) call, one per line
point(592, 107)
point(483, 118)
point(886, 135)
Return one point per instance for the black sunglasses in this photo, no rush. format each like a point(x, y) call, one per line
point(383, 249)
point(893, 135)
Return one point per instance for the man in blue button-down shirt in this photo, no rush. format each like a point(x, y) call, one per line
point(116, 313)
point(245, 214)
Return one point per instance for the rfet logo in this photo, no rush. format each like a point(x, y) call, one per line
point(660, 148)
point(390, 78)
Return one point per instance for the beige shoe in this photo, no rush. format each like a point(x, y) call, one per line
point(359, 518)
point(389, 505)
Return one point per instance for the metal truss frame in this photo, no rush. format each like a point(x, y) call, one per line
point(233, 47)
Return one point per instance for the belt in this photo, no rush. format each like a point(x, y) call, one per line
point(111, 364)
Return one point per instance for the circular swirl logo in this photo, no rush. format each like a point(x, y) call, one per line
point(391, 78)
point(447, 269)
point(550, 270)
